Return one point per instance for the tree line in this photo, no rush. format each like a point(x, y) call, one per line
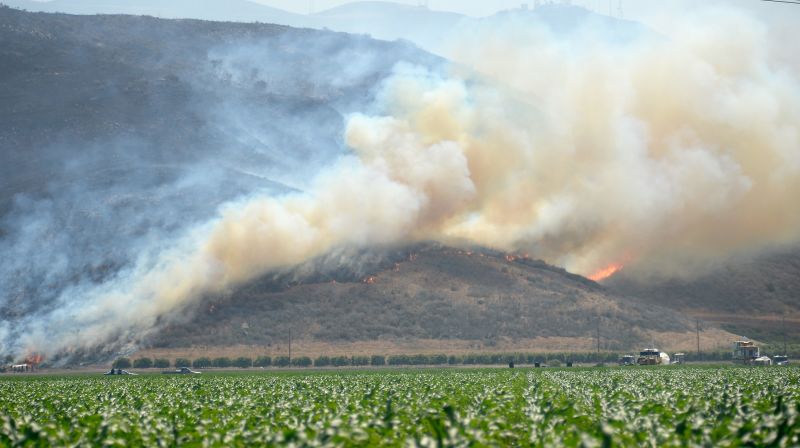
point(551, 359)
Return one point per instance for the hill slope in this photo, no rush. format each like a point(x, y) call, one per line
point(444, 296)
point(120, 132)
point(759, 297)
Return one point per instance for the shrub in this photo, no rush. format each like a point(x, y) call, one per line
point(419, 360)
point(301, 361)
point(143, 363)
point(243, 362)
point(360, 360)
point(122, 363)
point(201, 363)
point(398, 360)
point(282, 361)
point(322, 361)
point(437, 359)
point(222, 362)
point(453, 360)
point(554, 362)
point(340, 361)
point(377, 360)
point(161, 363)
point(262, 361)
point(182, 362)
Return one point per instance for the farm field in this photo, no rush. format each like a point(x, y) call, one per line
point(694, 406)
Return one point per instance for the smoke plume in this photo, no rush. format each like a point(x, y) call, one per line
point(662, 153)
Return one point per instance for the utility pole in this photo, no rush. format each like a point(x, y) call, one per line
point(697, 330)
point(598, 335)
point(783, 325)
point(290, 344)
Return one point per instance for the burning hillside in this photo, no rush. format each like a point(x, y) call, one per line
point(607, 272)
point(430, 296)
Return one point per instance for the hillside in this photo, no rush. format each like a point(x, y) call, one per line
point(228, 10)
point(758, 297)
point(430, 298)
point(118, 133)
point(428, 28)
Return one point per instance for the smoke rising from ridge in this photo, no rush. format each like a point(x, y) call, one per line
point(662, 153)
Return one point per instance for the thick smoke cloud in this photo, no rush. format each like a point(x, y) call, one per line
point(664, 153)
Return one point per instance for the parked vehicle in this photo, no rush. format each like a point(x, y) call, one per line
point(780, 360)
point(180, 371)
point(119, 372)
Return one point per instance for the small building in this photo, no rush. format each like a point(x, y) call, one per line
point(745, 352)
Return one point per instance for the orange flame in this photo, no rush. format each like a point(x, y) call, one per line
point(606, 272)
point(34, 359)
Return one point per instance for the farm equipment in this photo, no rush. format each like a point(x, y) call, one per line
point(627, 360)
point(652, 357)
point(745, 352)
point(780, 360)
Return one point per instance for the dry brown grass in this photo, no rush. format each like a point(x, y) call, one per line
point(669, 341)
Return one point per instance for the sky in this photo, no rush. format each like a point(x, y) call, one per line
point(635, 8)
point(655, 13)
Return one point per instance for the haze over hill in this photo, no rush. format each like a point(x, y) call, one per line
point(152, 166)
point(433, 30)
point(228, 10)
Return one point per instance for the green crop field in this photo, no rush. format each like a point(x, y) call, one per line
point(501, 407)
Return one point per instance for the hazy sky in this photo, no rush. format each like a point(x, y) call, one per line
point(486, 7)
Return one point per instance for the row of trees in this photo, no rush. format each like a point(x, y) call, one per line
point(552, 359)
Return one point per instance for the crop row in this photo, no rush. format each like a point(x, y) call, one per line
point(647, 407)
